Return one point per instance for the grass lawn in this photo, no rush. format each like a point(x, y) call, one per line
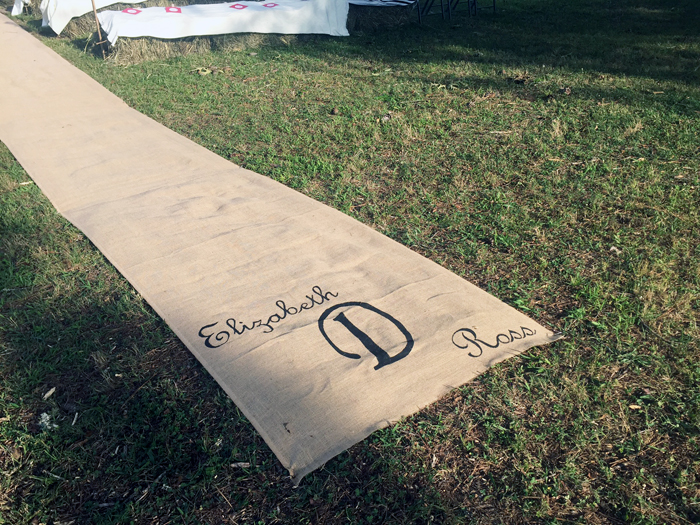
point(549, 153)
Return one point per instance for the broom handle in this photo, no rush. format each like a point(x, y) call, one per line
point(99, 32)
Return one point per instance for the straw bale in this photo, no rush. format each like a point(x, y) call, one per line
point(128, 51)
point(371, 18)
point(83, 25)
point(31, 9)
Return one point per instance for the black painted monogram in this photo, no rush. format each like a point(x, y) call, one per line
point(383, 358)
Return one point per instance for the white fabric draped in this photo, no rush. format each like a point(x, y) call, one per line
point(327, 17)
point(57, 13)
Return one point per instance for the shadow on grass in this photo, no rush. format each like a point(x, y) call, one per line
point(143, 433)
point(638, 38)
point(657, 40)
point(105, 417)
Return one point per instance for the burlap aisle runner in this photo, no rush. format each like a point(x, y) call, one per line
point(319, 328)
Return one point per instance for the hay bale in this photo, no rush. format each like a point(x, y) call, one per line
point(372, 18)
point(31, 9)
point(82, 26)
point(129, 51)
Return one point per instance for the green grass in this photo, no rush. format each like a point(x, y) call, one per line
point(549, 153)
